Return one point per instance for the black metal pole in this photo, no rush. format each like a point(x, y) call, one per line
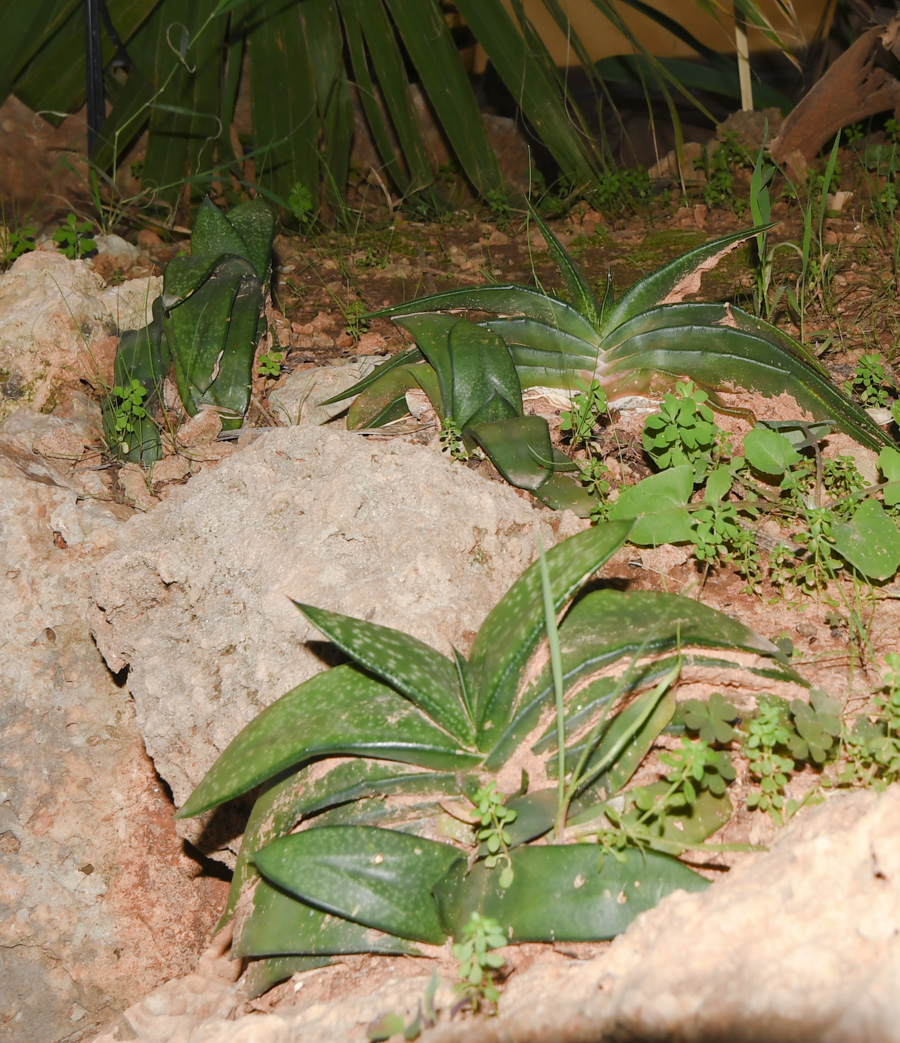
point(93, 60)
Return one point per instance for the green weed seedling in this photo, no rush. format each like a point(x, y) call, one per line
point(301, 205)
point(477, 964)
point(494, 820)
point(589, 408)
point(75, 238)
point(128, 414)
point(872, 746)
point(356, 322)
point(781, 735)
point(684, 431)
point(870, 383)
point(269, 364)
point(15, 242)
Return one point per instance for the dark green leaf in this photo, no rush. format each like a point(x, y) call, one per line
point(513, 629)
point(279, 924)
point(870, 541)
point(340, 712)
point(519, 448)
point(508, 300)
point(563, 893)
point(375, 877)
point(477, 378)
point(262, 975)
point(427, 678)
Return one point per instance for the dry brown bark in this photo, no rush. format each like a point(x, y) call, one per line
point(860, 84)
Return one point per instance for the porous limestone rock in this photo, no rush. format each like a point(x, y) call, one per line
point(97, 900)
point(196, 600)
point(300, 400)
point(797, 945)
point(52, 311)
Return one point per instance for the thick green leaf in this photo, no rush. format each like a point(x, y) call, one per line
point(659, 503)
point(341, 712)
point(564, 893)
point(520, 449)
point(279, 924)
point(672, 279)
point(375, 877)
point(142, 355)
point(869, 541)
point(213, 335)
point(889, 465)
point(563, 493)
point(476, 375)
point(515, 626)
point(724, 354)
point(246, 231)
point(507, 300)
point(427, 678)
point(284, 802)
point(605, 626)
point(579, 289)
point(625, 743)
point(626, 620)
point(545, 356)
point(380, 371)
point(385, 400)
point(535, 815)
point(262, 975)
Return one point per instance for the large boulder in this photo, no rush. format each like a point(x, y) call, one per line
point(98, 901)
point(196, 600)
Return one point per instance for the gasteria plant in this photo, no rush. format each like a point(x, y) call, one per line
point(380, 821)
point(206, 324)
point(538, 340)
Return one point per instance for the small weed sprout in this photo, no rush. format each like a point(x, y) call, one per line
point(300, 203)
point(684, 431)
point(869, 382)
point(452, 440)
point(477, 964)
point(873, 746)
point(493, 817)
point(356, 323)
point(14, 243)
point(269, 364)
point(128, 408)
point(74, 238)
point(589, 405)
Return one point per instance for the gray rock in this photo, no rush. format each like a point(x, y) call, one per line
point(95, 894)
point(196, 600)
point(51, 310)
point(799, 944)
point(300, 400)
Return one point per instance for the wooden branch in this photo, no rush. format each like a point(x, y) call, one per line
point(860, 84)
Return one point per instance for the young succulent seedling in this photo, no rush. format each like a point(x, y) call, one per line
point(206, 325)
point(411, 732)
